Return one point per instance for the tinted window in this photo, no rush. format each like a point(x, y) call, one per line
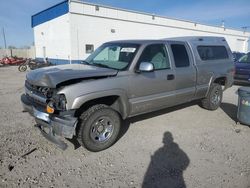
point(181, 58)
point(157, 55)
point(212, 52)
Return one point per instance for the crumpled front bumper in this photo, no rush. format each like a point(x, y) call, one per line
point(51, 126)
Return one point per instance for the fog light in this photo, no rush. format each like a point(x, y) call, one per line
point(50, 108)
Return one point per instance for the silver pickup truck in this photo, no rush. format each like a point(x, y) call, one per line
point(122, 79)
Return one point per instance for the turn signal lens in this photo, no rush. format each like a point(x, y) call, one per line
point(50, 110)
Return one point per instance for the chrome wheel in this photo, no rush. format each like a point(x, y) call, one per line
point(102, 129)
point(216, 97)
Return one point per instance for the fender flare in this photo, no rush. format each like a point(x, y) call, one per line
point(121, 105)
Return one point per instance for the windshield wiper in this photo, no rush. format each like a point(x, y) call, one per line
point(102, 65)
point(85, 62)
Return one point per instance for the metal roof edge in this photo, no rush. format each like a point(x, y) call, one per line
point(159, 16)
point(50, 7)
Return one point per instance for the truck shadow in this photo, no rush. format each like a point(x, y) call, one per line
point(142, 117)
point(230, 110)
point(167, 165)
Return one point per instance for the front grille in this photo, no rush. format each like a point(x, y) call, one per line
point(36, 102)
point(33, 88)
point(36, 94)
point(40, 90)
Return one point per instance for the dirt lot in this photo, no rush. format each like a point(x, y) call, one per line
point(182, 146)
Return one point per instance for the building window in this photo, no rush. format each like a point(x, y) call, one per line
point(89, 48)
point(97, 8)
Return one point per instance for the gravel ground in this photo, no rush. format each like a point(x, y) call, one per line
point(178, 147)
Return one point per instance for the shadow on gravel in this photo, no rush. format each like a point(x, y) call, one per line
point(167, 166)
point(75, 142)
point(230, 110)
point(142, 117)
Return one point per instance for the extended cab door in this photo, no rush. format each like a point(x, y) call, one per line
point(153, 90)
point(185, 71)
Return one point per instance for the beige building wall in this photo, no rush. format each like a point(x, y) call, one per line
point(24, 53)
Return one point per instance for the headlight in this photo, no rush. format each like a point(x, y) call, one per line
point(50, 108)
point(56, 103)
point(61, 104)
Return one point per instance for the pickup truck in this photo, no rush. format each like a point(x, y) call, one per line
point(242, 70)
point(122, 79)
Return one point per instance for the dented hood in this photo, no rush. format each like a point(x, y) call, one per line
point(52, 76)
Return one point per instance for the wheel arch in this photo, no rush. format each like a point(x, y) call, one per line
point(117, 100)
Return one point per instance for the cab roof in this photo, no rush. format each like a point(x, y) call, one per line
point(182, 39)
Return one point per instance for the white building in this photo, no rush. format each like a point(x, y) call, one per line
point(71, 30)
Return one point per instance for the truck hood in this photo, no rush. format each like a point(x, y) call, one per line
point(54, 75)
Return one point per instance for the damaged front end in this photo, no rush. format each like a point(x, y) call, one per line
point(50, 113)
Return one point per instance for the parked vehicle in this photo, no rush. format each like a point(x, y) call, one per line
point(237, 55)
point(122, 79)
point(34, 64)
point(12, 61)
point(242, 69)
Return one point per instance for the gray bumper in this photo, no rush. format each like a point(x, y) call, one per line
point(51, 126)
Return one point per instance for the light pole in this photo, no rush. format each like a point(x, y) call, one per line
point(245, 28)
point(4, 39)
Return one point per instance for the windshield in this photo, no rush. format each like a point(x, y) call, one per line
point(113, 55)
point(245, 59)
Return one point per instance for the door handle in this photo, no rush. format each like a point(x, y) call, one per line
point(170, 77)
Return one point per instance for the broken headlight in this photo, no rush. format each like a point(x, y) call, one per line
point(57, 103)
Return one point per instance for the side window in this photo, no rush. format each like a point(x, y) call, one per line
point(212, 52)
point(157, 55)
point(181, 58)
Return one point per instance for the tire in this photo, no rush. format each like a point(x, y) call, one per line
point(99, 128)
point(22, 68)
point(214, 97)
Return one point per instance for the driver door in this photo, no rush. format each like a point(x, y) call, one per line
point(153, 90)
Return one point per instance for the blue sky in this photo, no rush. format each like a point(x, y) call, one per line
point(15, 15)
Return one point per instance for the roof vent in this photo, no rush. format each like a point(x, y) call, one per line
point(153, 17)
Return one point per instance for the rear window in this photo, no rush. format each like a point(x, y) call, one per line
point(212, 52)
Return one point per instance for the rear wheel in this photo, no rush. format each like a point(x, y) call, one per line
point(214, 97)
point(99, 128)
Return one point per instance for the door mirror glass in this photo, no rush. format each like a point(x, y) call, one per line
point(146, 67)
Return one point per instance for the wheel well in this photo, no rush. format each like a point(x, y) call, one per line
point(112, 101)
point(220, 80)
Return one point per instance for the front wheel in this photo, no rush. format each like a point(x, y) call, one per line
point(99, 128)
point(22, 68)
point(214, 97)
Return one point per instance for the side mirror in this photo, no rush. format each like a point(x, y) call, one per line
point(146, 67)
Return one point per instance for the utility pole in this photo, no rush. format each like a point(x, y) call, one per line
point(4, 39)
point(245, 28)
